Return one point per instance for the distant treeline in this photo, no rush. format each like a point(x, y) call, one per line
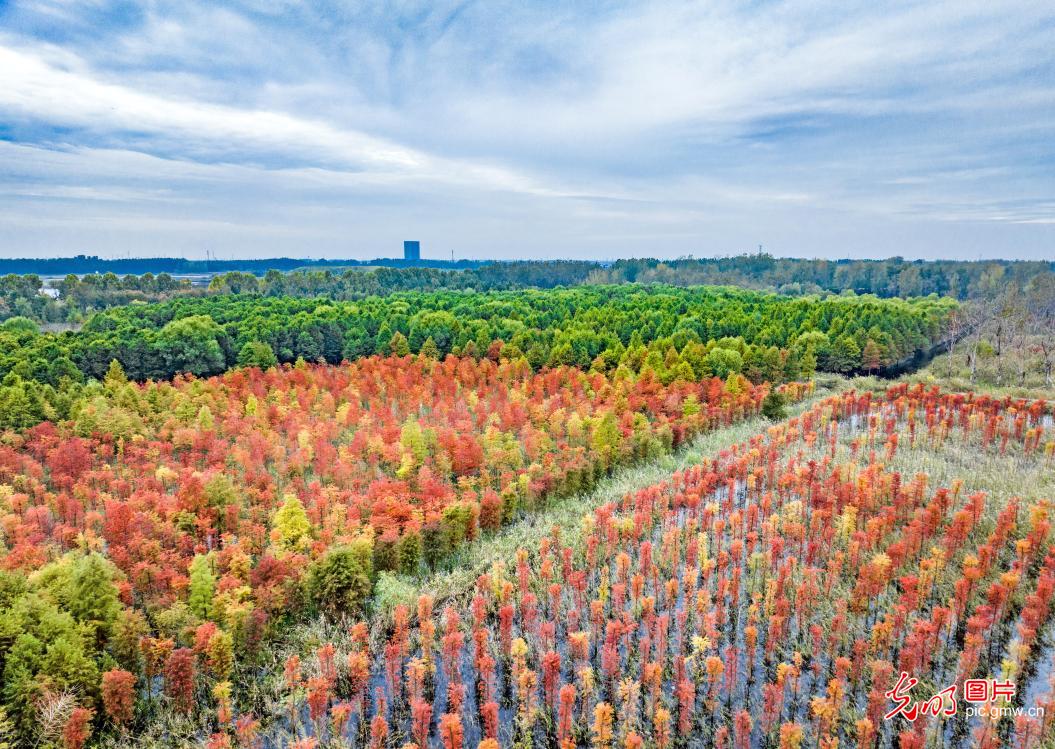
point(895, 277)
point(961, 279)
point(81, 264)
point(80, 296)
point(352, 284)
point(891, 277)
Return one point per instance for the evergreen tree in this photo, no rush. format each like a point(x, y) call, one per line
point(429, 349)
point(93, 597)
point(724, 362)
point(398, 345)
point(115, 375)
point(562, 355)
point(20, 687)
point(412, 439)
point(192, 344)
point(845, 355)
point(383, 339)
point(357, 344)
point(871, 356)
point(291, 523)
point(65, 666)
point(409, 552)
point(774, 406)
point(7, 731)
point(202, 586)
point(808, 365)
point(606, 439)
point(341, 580)
point(257, 354)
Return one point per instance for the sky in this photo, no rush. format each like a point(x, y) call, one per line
point(527, 129)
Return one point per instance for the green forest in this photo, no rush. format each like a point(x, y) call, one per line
point(76, 297)
point(679, 333)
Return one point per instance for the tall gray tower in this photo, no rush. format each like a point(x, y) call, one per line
point(411, 250)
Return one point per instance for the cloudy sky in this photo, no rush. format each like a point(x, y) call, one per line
point(527, 129)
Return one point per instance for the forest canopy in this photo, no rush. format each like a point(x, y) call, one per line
point(98, 286)
point(679, 333)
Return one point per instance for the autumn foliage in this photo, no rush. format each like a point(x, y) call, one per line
point(183, 522)
point(768, 596)
point(118, 694)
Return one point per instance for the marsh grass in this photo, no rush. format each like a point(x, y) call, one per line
point(1000, 476)
point(952, 373)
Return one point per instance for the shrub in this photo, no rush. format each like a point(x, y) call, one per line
point(456, 525)
point(386, 555)
point(774, 406)
point(491, 511)
point(342, 579)
point(433, 541)
point(391, 591)
point(409, 551)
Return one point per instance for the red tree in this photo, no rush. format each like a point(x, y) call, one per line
point(179, 679)
point(119, 696)
point(451, 732)
point(77, 729)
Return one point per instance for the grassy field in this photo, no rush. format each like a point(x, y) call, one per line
point(997, 375)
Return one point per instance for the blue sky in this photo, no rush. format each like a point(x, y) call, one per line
point(527, 129)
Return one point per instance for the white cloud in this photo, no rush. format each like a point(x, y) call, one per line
point(721, 121)
point(34, 90)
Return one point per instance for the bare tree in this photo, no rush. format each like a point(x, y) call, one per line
point(53, 710)
point(1040, 321)
point(974, 320)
